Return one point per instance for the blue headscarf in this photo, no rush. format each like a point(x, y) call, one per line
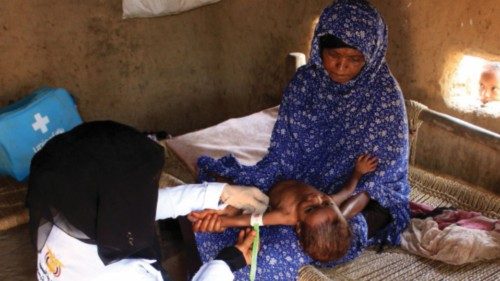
point(323, 126)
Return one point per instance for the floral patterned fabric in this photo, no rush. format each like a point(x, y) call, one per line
point(322, 127)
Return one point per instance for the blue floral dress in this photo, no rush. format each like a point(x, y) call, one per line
point(321, 129)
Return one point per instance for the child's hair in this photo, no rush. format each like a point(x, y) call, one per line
point(327, 241)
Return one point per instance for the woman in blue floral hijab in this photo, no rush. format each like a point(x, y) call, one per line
point(343, 103)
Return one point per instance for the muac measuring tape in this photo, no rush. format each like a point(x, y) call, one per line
point(255, 251)
point(256, 222)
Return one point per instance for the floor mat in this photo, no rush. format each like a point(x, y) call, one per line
point(12, 203)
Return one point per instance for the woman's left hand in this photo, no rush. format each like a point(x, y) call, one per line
point(244, 243)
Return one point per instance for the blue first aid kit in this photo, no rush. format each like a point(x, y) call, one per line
point(26, 125)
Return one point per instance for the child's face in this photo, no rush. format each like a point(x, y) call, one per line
point(488, 86)
point(316, 208)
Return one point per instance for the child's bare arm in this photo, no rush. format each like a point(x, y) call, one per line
point(364, 164)
point(354, 205)
point(269, 218)
point(207, 221)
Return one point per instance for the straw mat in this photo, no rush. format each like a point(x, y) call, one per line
point(174, 166)
point(12, 209)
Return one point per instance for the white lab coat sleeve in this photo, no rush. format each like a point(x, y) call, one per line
point(182, 199)
point(215, 270)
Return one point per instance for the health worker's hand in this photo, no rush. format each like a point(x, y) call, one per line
point(206, 221)
point(247, 198)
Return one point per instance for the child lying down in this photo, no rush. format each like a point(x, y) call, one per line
point(320, 220)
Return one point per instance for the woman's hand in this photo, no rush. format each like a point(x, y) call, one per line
point(244, 243)
point(206, 221)
point(366, 163)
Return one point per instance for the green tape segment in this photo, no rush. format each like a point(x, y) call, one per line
point(255, 251)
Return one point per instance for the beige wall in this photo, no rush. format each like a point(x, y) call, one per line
point(179, 73)
point(174, 73)
point(427, 40)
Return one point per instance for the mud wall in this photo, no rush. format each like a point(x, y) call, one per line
point(184, 72)
point(427, 40)
point(175, 73)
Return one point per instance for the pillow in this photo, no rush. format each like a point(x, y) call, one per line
point(155, 8)
point(247, 138)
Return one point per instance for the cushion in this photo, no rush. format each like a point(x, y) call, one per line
point(155, 8)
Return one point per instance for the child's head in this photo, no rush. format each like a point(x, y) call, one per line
point(326, 241)
point(489, 83)
point(322, 229)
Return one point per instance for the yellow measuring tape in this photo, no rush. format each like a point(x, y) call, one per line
point(255, 251)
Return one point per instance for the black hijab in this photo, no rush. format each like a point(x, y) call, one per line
point(99, 184)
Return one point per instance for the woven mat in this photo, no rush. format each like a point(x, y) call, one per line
point(440, 191)
point(174, 166)
point(396, 264)
point(12, 198)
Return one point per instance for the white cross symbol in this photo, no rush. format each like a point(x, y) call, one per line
point(40, 123)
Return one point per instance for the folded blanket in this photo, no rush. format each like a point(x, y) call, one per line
point(451, 236)
point(448, 216)
point(467, 219)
